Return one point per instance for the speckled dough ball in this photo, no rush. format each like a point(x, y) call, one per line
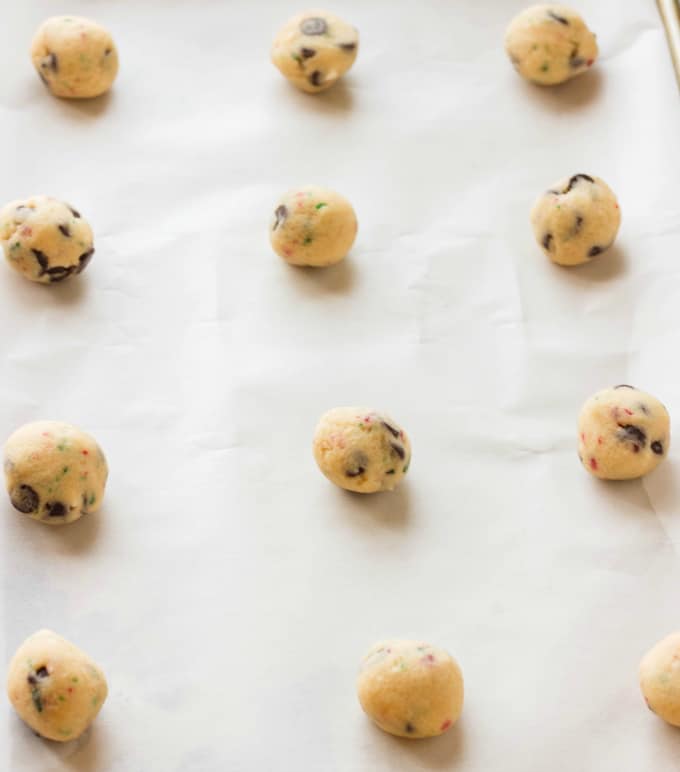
point(54, 472)
point(313, 226)
point(623, 433)
point(549, 44)
point(75, 57)
point(660, 679)
point(411, 689)
point(55, 687)
point(45, 239)
point(361, 450)
point(314, 49)
point(576, 220)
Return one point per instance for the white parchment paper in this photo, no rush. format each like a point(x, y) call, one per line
point(227, 589)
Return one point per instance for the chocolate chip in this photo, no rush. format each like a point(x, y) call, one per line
point(41, 672)
point(84, 259)
point(624, 386)
point(578, 223)
point(394, 432)
point(74, 212)
point(573, 180)
point(410, 728)
point(55, 509)
point(547, 241)
point(65, 230)
point(281, 212)
point(357, 465)
point(314, 26)
point(560, 19)
point(31, 679)
point(575, 60)
point(643, 407)
point(107, 52)
point(390, 471)
point(307, 53)
point(50, 62)
point(593, 251)
point(41, 257)
point(657, 447)
point(59, 273)
point(398, 450)
point(632, 433)
point(315, 78)
point(349, 47)
point(25, 499)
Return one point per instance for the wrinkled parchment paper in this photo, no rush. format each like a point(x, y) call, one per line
point(227, 589)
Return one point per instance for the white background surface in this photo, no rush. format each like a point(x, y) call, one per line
point(227, 589)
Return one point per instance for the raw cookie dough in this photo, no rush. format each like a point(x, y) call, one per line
point(623, 433)
point(660, 679)
point(549, 44)
point(314, 49)
point(55, 687)
point(54, 472)
point(411, 689)
point(74, 57)
point(576, 220)
point(361, 450)
point(313, 226)
point(45, 239)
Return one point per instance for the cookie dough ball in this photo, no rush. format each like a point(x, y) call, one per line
point(54, 472)
point(660, 679)
point(549, 44)
point(55, 687)
point(623, 433)
point(75, 57)
point(314, 49)
point(45, 239)
point(361, 450)
point(576, 220)
point(313, 226)
point(411, 689)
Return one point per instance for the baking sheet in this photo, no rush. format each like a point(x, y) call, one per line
point(226, 588)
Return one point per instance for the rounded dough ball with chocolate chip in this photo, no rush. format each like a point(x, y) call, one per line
point(411, 689)
point(660, 679)
point(314, 49)
point(44, 239)
point(623, 433)
point(576, 220)
point(361, 450)
point(75, 57)
point(548, 44)
point(54, 472)
point(55, 687)
point(313, 226)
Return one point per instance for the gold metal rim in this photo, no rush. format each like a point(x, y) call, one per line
point(670, 15)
